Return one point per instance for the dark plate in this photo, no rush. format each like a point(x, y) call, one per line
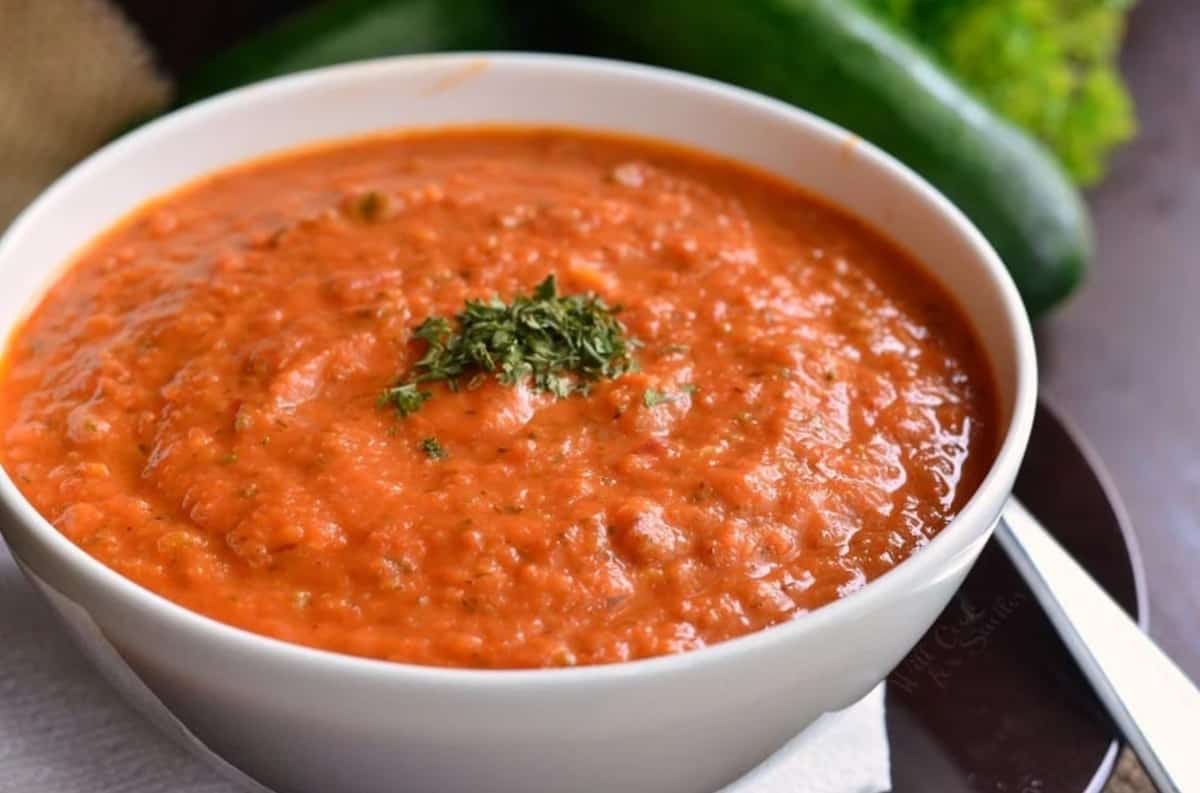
point(990, 700)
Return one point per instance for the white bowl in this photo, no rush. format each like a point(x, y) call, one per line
point(309, 721)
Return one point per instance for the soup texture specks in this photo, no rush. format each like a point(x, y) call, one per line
point(196, 402)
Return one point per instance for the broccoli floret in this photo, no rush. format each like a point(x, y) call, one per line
point(1048, 65)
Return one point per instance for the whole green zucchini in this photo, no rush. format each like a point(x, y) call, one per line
point(833, 58)
point(336, 31)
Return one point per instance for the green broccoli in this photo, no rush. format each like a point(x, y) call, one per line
point(1048, 65)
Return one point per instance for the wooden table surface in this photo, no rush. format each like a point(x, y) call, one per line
point(1123, 357)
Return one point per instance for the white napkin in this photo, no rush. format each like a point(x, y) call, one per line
point(842, 752)
point(63, 729)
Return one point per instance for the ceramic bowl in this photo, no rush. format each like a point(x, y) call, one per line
point(306, 721)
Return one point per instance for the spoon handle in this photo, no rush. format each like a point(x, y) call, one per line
point(1153, 703)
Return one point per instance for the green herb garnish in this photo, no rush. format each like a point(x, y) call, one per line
point(562, 343)
point(405, 397)
point(652, 398)
point(433, 449)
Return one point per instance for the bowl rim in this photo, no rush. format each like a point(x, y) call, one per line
point(970, 524)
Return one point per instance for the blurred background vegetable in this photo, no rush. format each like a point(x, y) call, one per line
point(1047, 65)
point(347, 30)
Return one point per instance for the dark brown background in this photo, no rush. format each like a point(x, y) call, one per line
point(1123, 356)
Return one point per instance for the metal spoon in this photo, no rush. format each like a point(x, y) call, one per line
point(1153, 703)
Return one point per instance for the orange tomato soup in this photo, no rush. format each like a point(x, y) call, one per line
point(194, 403)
